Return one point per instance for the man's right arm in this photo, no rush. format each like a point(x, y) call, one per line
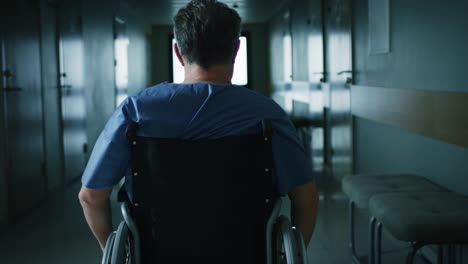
point(97, 212)
point(304, 205)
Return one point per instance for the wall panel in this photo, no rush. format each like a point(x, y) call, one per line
point(26, 185)
point(427, 52)
point(161, 54)
point(99, 61)
point(438, 114)
point(51, 96)
point(279, 29)
point(139, 48)
point(258, 57)
point(3, 180)
point(300, 21)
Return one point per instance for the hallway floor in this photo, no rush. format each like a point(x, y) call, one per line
point(57, 233)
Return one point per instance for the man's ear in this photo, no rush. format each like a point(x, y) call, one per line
point(179, 56)
point(235, 53)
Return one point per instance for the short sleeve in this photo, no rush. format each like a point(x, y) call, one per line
point(109, 159)
point(292, 165)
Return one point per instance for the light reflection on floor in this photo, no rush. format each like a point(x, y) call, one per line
point(57, 233)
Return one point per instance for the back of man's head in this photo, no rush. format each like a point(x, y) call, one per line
point(207, 32)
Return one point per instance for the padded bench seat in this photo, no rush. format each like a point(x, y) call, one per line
point(422, 218)
point(360, 188)
point(431, 217)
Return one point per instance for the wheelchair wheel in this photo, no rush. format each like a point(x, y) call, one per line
point(302, 250)
point(130, 251)
point(122, 252)
point(108, 249)
point(285, 249)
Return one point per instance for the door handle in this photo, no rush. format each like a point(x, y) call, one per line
point(324, 76)
point(12, 89)
point(349, 80)
point(66, 89)
point(343, 72)
point(8, 74)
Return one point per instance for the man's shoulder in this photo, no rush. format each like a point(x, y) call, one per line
point(160, 92)
point(165, 89)
point(160, 89)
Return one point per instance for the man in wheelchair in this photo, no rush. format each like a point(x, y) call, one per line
point(211, 129)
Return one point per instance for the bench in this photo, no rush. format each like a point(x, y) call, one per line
point(421, 218)
point(360, 188)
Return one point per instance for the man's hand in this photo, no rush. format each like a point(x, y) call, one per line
point(97, 212)
point(304, 204)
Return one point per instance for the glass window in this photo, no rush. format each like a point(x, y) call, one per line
point(121, 69)
point(287, 58)
point(121, 43)
point(240, 66)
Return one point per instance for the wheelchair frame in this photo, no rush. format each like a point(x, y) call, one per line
point(123, 245)
point(284, 244)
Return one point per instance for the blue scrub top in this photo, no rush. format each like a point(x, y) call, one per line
point(196, 111)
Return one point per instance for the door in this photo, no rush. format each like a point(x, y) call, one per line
point(23, 119)
point(308, 75)
point(72, 89)
point(338, 50)
point(316, 78)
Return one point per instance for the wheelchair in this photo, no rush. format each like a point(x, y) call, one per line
point(203, 201)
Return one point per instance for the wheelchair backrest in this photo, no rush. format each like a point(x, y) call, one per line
point(205, 200)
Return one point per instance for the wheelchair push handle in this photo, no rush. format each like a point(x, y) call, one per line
point(267, 128)
point(131, 130)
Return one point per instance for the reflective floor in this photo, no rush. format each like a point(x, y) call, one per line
point(57, 233)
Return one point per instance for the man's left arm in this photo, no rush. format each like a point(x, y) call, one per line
point(304, 205)
point(96, 208)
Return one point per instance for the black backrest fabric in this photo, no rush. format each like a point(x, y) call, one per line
point(204, 201)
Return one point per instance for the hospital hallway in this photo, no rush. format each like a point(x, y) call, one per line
point(376, 92)
point(57, 233)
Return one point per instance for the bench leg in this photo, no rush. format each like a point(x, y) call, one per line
point(454, 254)
point(460, 254)
point(378, 243)
point(371, 257)
point(440, 254)
point(414, 249)
point(451, 253)
point(352, 247)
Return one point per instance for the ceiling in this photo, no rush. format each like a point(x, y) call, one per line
point(162, 11)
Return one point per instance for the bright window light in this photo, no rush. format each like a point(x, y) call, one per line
point(287, 57)
point(240, 66)
point(177, 68)
point(121, 69)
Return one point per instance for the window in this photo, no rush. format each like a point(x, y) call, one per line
point(121, 69)
point(121, 43)
point(240, 66)
point(177, 69)
point(287, 58)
